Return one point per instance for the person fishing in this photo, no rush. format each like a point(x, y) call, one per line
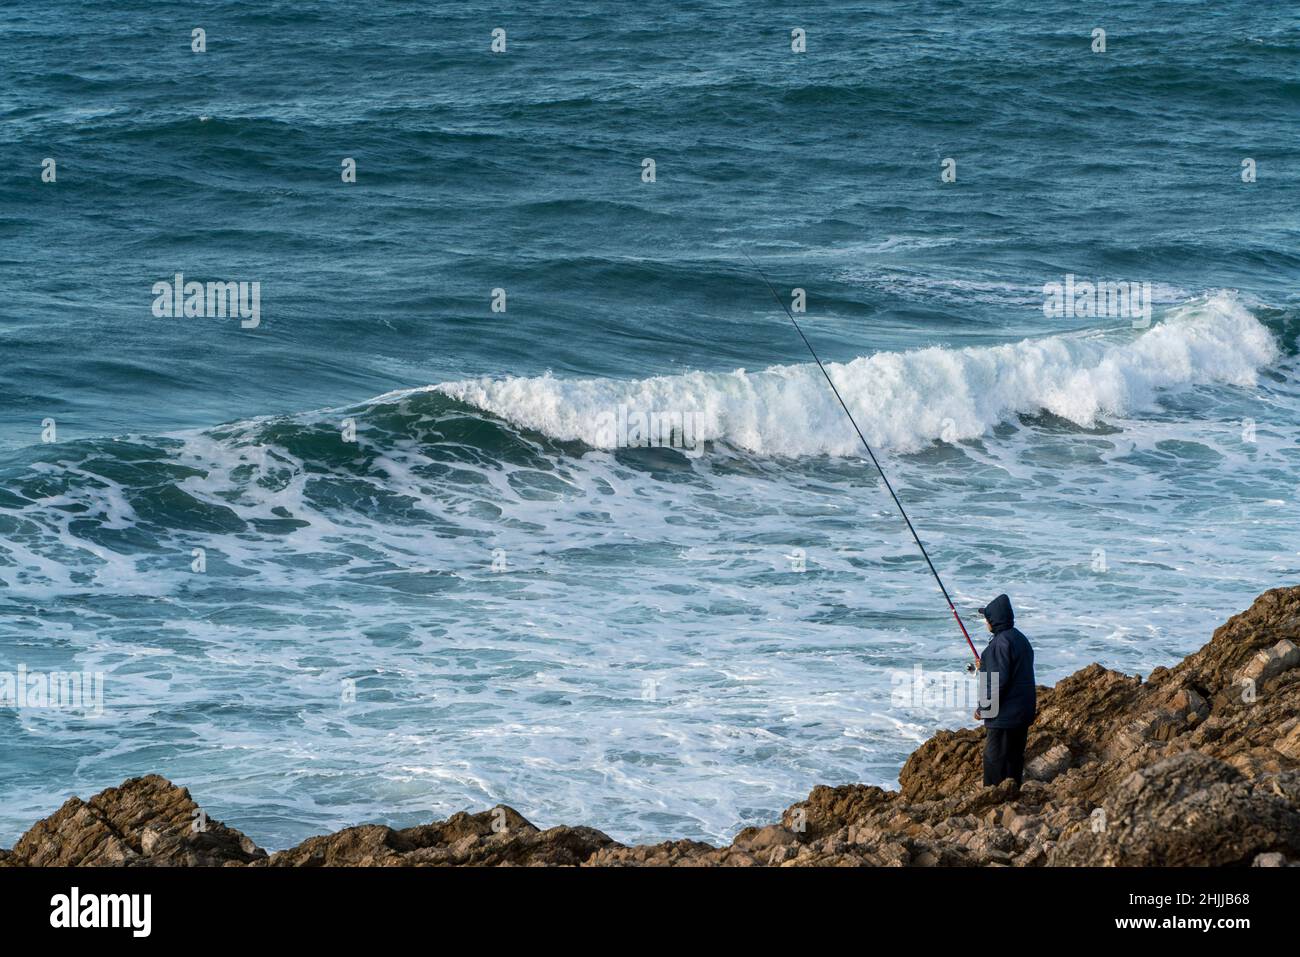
point(1007, 666)
point(1008, 698)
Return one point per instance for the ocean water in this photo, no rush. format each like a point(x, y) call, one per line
point(481, 597)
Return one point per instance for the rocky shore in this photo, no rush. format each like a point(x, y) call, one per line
point(1198, 764)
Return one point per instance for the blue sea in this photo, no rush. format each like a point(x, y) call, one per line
point(379, 556)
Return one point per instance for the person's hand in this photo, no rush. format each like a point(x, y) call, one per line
point(977, 715)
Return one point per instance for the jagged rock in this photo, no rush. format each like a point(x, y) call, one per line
point(146, 821)
point(781, 854)
point(1289, 744)
point(1198, 765)
point(500, 836)
point(759, 838)
point(949, 760)
point(1024, 826)
point(1269, 663)
point(827, 808)
point(1189, 809)
point(1048, 764)
point(667, 854)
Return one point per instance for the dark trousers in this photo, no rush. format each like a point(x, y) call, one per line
point(1004, 754)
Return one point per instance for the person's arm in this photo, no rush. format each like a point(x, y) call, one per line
point(994, 661)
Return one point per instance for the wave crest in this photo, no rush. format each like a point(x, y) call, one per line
point(905, 400)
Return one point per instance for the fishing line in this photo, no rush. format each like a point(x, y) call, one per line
point(874, 461)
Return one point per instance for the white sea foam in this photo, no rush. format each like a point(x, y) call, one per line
point(905, 400)
point(650, 645)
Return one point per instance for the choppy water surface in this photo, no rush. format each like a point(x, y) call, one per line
point(482, 598)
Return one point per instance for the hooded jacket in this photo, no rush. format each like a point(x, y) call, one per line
point(1009, 656)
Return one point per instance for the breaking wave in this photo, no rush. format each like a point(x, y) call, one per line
point(906, 400)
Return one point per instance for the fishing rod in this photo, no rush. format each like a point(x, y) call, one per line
point(874, 461)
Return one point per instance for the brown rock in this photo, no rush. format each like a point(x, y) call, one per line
point(827, 808)
point(500, 836)
point(1049, 764)
point(146, 821)
point(1190, 809)
point(759, 838)
point(1269, 663)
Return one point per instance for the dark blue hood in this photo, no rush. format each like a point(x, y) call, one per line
point(998, 613)
point(1010, 656)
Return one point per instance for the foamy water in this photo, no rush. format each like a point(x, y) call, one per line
point(904, 401)
point(455, 610)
